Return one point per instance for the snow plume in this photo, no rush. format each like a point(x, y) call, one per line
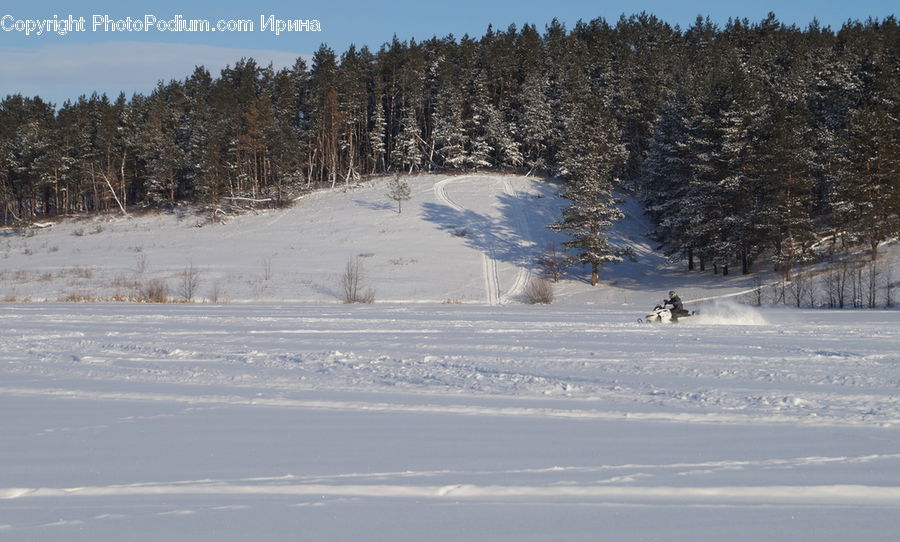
point(722, 312)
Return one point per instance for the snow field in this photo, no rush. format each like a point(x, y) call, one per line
point(404, 422)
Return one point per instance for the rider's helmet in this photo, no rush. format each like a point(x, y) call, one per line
point(671, 294)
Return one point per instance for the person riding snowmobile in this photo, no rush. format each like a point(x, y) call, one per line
point(677, 306)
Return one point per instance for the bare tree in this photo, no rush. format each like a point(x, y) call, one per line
point(758, 290)
point(352, 284)
point(856, 288)
point(779, 293)
point(798, 288)
point(889, 287)
point(141, 263)
point(553, 262)
point(190, 281)
point(836, 284)
point(872, 284)
point(812, 294)
point(216, 295)
point(830, 284)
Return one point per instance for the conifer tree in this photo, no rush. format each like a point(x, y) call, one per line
point(665, 179)
point(483, 113)
point(449, 131)
point(787, 152)
point(591, 157)
point(377, 133)
point(407, 151)
point(160, 152)
point(399, 191)
point(535, 122)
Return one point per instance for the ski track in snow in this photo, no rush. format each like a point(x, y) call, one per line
point(494, 294)
point(524, 268)
point(455, 409)
point(440, 192)
point(491, 277)
point(621, 487)
point(792, 495)
point(490, 273)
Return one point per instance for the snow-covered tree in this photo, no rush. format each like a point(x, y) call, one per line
point(399, 191)
point(535, 122)
point(377, 134)
point(501, 134)
point(161, 153)
point(591, 156)
point(449, 130)
point(587, 220)
point(407, 152)
point(483, 113)
point(666, 176)
point(867, 202)
point(786, 156)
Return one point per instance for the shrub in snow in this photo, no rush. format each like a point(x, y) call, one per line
point(216, 295)
point(538, 291)
point(352, 287)
point(155, 291)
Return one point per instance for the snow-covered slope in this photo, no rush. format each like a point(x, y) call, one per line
point(471, 239)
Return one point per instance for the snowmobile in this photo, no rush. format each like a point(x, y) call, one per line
point(664, 314)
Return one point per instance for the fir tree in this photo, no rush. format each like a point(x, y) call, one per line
point(483, 113)
point(377, 133)
point(449, 131)
point(591, 157)
point(407, 150)
point(501, 134)
point(787, 153)
point(587, 219)
point(535, 122)
point(399, 191)
point(665, 180)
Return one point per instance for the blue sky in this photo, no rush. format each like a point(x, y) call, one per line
point(59, 67)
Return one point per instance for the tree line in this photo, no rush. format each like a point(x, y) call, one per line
point(743, 139)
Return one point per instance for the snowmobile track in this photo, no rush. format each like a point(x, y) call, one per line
point(524, 272)
point(489, 270)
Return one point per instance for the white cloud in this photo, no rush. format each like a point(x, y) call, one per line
point(60, 72)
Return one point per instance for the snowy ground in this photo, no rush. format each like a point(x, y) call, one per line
point(414, 422)
point(285, 415)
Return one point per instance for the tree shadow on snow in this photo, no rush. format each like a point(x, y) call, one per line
point(376, 205)
point(517, 235)
point(325, 290)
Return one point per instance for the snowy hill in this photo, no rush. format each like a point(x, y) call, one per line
point(469, 239)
